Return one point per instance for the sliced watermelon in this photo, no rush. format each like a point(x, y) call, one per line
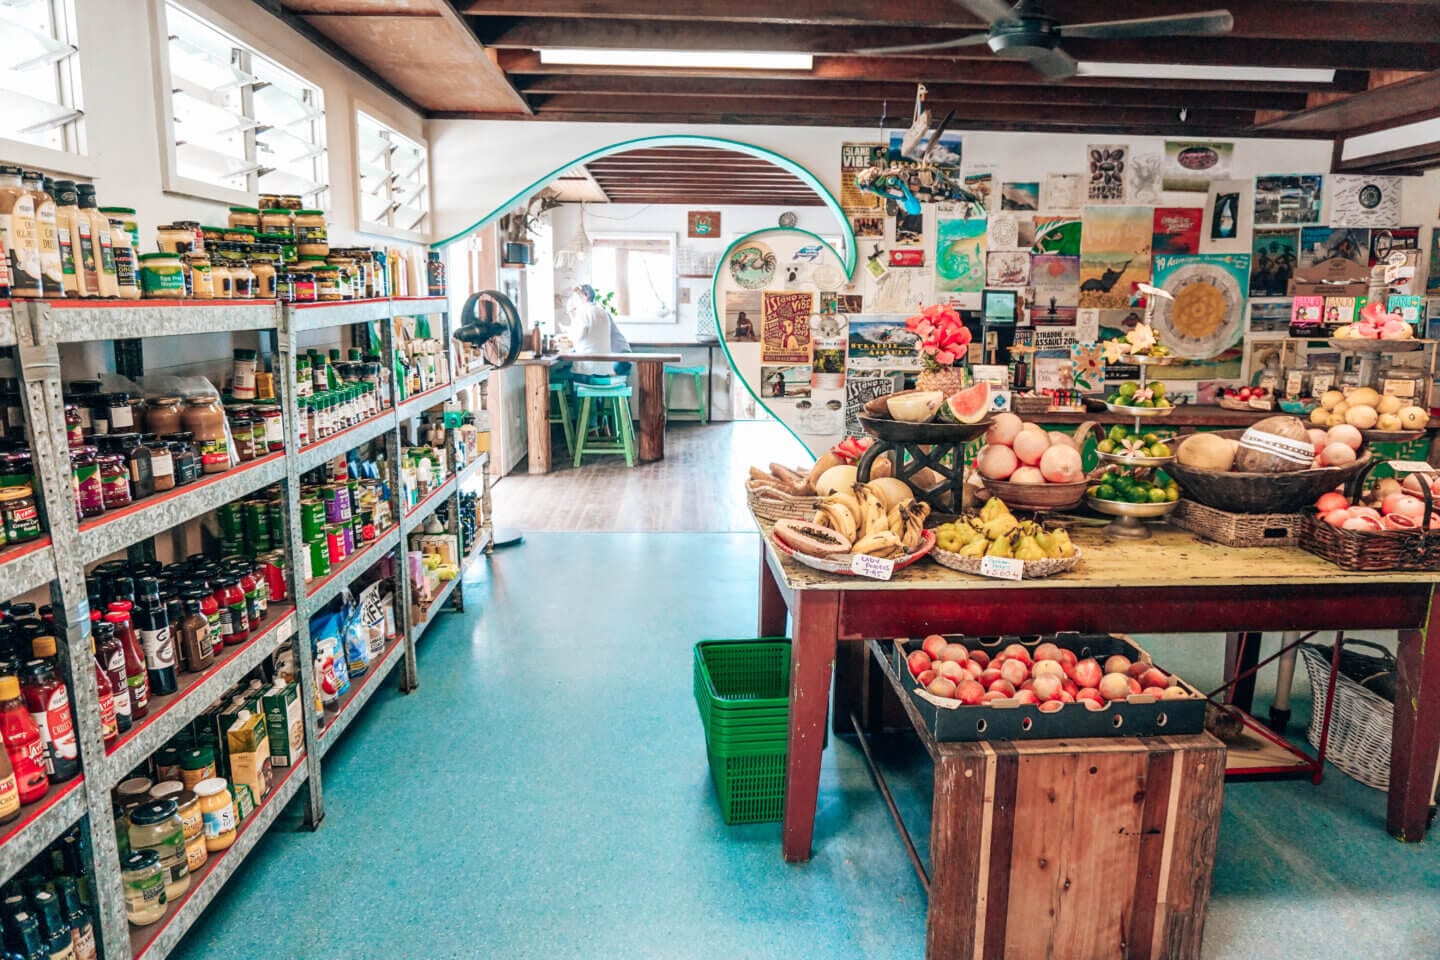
point(970, 405)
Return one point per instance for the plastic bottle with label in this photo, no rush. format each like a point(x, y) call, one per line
point(106, 284)
point(48, 701)
point(67, 215)
point(9, 790)
point(109, 729)
point(22, 742)
point(152, 625)
point(20, 233)
point(52, 280)
point(112, 660)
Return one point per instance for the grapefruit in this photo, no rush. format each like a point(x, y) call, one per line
point(967, 406)
point(1003, 429)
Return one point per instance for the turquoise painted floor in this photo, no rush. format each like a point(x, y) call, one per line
point(544, 794)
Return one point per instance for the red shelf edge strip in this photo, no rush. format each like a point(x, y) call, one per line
point(110, 516)
point(34, 812)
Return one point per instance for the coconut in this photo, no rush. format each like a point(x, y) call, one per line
point(1275, 445)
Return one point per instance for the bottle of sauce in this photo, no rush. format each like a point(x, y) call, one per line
point(112, 660)
point(52, 279)
point(20, 233)
point(48, 701)
point(109, 729)
point(234, 623)
point(66, 210)
point(23, 746)
point(82, 928)
point(106, 283)
point(26, 938)
point(53, 926)
point(9, 790)
point(152, 623)
point(135, 679)
point(196, 647)
point(127, 262)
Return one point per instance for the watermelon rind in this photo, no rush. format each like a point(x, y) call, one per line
point(957, 409)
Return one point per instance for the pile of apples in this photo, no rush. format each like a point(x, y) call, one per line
point(1049, 677)
point(1023, 452)
point(1391, 506)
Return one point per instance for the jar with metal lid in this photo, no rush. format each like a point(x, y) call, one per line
point(267, 201)
point(212, 235)
point(248, 217)
point(167, 763)
point(242, 432)
point(204, 418)
point(327, 279)
point(303, 283)
point(126, 216)
point(162, 277)
point(144, 883)
point(202, 280)
point(292, 202)
point(1404, 383)
point(242, 384)
point(175, 238)
point(274, 421)
point(284, 244)
point(182, 452)
point(137, 463)
point(285, 288)
point(304, 386)
point(311, 239)
point(20, 515)
point(221, 283)
point(121, 410)
point(162, 415)
point(114, 480)
point(162, 465)
point(156, 826)
point(166, 789)
point(275, 220)
point(197, 242)
point(74, 426)
point(1297, 382)
point(264, 273)
point(217, 811)
point(196, 764)
point(133, 792)
point(17, 469)
point(192, 825)
point(242, 280)
point(86, 481)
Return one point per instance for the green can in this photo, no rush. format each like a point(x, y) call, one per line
point(312, 520)
point(233, 547)
point(231, 525)
point(318, 554)
point(275, 510)
point(256, 514)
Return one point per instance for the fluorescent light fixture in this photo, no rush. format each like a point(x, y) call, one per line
point(1185, 71)
point(717, 59)
point(1396, 138)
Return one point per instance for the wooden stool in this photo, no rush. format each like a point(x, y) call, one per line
point(560, 412)
point(612, 402)
point(701, 393)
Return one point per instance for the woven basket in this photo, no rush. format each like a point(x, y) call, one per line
point(1386, 550)
point(1238, 529)
point(1361, 721)
point(1030, 405)
point(1260, 492)
point(767, 503)
point(1033, 569)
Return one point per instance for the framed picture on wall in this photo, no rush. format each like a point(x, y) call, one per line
point(703, 224)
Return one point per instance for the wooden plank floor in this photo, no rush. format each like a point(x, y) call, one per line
point(699, 486)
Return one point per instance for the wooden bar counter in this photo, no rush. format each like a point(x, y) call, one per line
point(1171, 583)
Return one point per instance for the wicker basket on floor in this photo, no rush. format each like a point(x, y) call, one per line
point(767, 503)
point(1238, 529)
point(1361, 720)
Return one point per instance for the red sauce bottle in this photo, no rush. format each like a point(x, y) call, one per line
point(108, 728)
point(22, 742)
point(135, 679)
point(112, 661)
point(234, 621)
point(48, 700)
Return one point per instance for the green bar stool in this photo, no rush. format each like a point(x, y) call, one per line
point(611, 403)
point(560, 412)
point(701, 393)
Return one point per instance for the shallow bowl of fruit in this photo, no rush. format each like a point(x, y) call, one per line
point(1134, 400)
point(1371, 345)
point(921, 416)
point(1207, 468)
point(1133, 448)
point(1148, 510)
point(963, 544)
point(880, 519)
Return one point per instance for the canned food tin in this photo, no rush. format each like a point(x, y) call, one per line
point(275, 507)
point(317, 555)
point(337, 502)
point(348, 532)
point(257, 524)
point(231, 525)
point(232, 546)
point(335, 542)
point(312, 519)
point(274, 566)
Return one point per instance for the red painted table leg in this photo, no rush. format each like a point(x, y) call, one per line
point(773, 612)
point(812, 656)
point(1415, 742)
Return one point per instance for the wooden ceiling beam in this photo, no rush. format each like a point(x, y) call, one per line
point(1379, 22)
point(918, 70)
point(1385, 106)
point(941, 94)
point(542, 32)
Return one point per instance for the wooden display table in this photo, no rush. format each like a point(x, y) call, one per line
point(649, 401)
point(1171, 583)
point(1081, 849)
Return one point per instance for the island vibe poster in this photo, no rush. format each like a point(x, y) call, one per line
point(785, 331)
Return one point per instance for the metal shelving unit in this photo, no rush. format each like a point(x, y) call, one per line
point(36, 329)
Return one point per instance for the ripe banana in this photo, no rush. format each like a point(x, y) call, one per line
point(850, 502)
point(914, 527)
point(875, 520)
point(896, 520)
point(882, 544)
point(837, 517)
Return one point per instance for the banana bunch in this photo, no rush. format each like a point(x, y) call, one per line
point(995, 532)
point(862, 517)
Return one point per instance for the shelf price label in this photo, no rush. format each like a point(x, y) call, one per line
point(1411, 466)
point(1002, 568)
point(876, 568)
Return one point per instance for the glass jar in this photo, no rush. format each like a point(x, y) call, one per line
point(217, 812)
point(264, 287)
point(1322, 378)
point(248, 217)
point(1297, 382)
point(162, 415)
point(196, 764)
point(242, 433)
point(310, 235)
point(274, 220)
point(186, 460)
point(17, 469)
point(192, 825)
point(242, 280)
point(1404, 383)
point(21, 517)
point(304, 386)
point(204, 419)
point(274, 421)
point(267, 201)
point(137, 464)
point(202, 279)
point(285, 288)
point(156, 826)
point(242, 386)
point(126, 216)
point(120, 411)
point(327, 283)
point(303, 283)
point(220, 280)
point(74, 426)
point(144, 884)
point(284, 244)
point(175, 238)
point(114, 480)
point(292, 202)
point(162, 465)
point(167, 763)
point(86, 481)
point(302, 409)
point(162, 277)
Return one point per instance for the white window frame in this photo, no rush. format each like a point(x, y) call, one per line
point(73, 159)
point(673, 239)
point(172, 181)
point(376, 227)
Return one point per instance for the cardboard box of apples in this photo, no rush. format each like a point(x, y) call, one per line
point(1066, 685)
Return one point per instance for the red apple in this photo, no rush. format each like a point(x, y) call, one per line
point(1047, 687)
point(1002, 686)
point(918, 662)
point(951, 670)
point(955, 652)
point(941, 687)
point(1014, 671)
point(1117, 664)
point(969, 692)
point(1154, 677)
point(1088, 673)
point(1018, 652)
point(925, 677)
point(933, 645)
point(1027, 696)
point(1047, 651)
point(1114, 686)
point(980, 657)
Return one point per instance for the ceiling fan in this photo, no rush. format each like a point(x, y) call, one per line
point(1026, 32)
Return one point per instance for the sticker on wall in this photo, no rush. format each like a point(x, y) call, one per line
point(1106, 167)
point(909, 229)
point(1056, 281)
point(786, 381)
point(1114, 254)
point(752, 265)
point(860, 391)
point(855, 157)
point(1010, 231)
point(1176, 230)
point(1022, 195)
point(705, 316)
point(881, 342)
point(1359, 201)
point(1007, 268)
point(1229, 209)
point(982, 187)
point(797, 276)
point(868, 227)
point(1286, 199)
point(703, 224)
point(960, 256)
point(1190, 165)
point(742, 315)
point(828, 365)
point(1062, 193)
point(1385, 240)
point(1273, 259)
point(1057, 235)
point(1205, 320)
point(785, 327)
point(1144, 176)
point(1318, 244)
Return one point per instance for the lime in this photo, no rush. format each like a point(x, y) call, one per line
point(1159, 450)
point(1158, 389)
point(1158, 496)
point(1105, 492)
point(1093, 490)
point(1150, 438)
point(1117, 433)
point(1145, 403)
point(1106, 446)
point(1137, 495)
point(1172, 494)
point(1128, 388)
point(1162, 402)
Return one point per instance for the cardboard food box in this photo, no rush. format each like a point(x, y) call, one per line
point(1336, 277)
point(248, 743)
point(285, 724)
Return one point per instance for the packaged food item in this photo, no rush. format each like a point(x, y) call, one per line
point(144, 884)
point(247, 743)
point(285, 723)
point(156, 826)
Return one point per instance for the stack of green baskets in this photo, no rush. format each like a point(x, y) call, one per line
point(742, 689)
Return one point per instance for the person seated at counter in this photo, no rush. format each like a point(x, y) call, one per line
point(591, 330)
